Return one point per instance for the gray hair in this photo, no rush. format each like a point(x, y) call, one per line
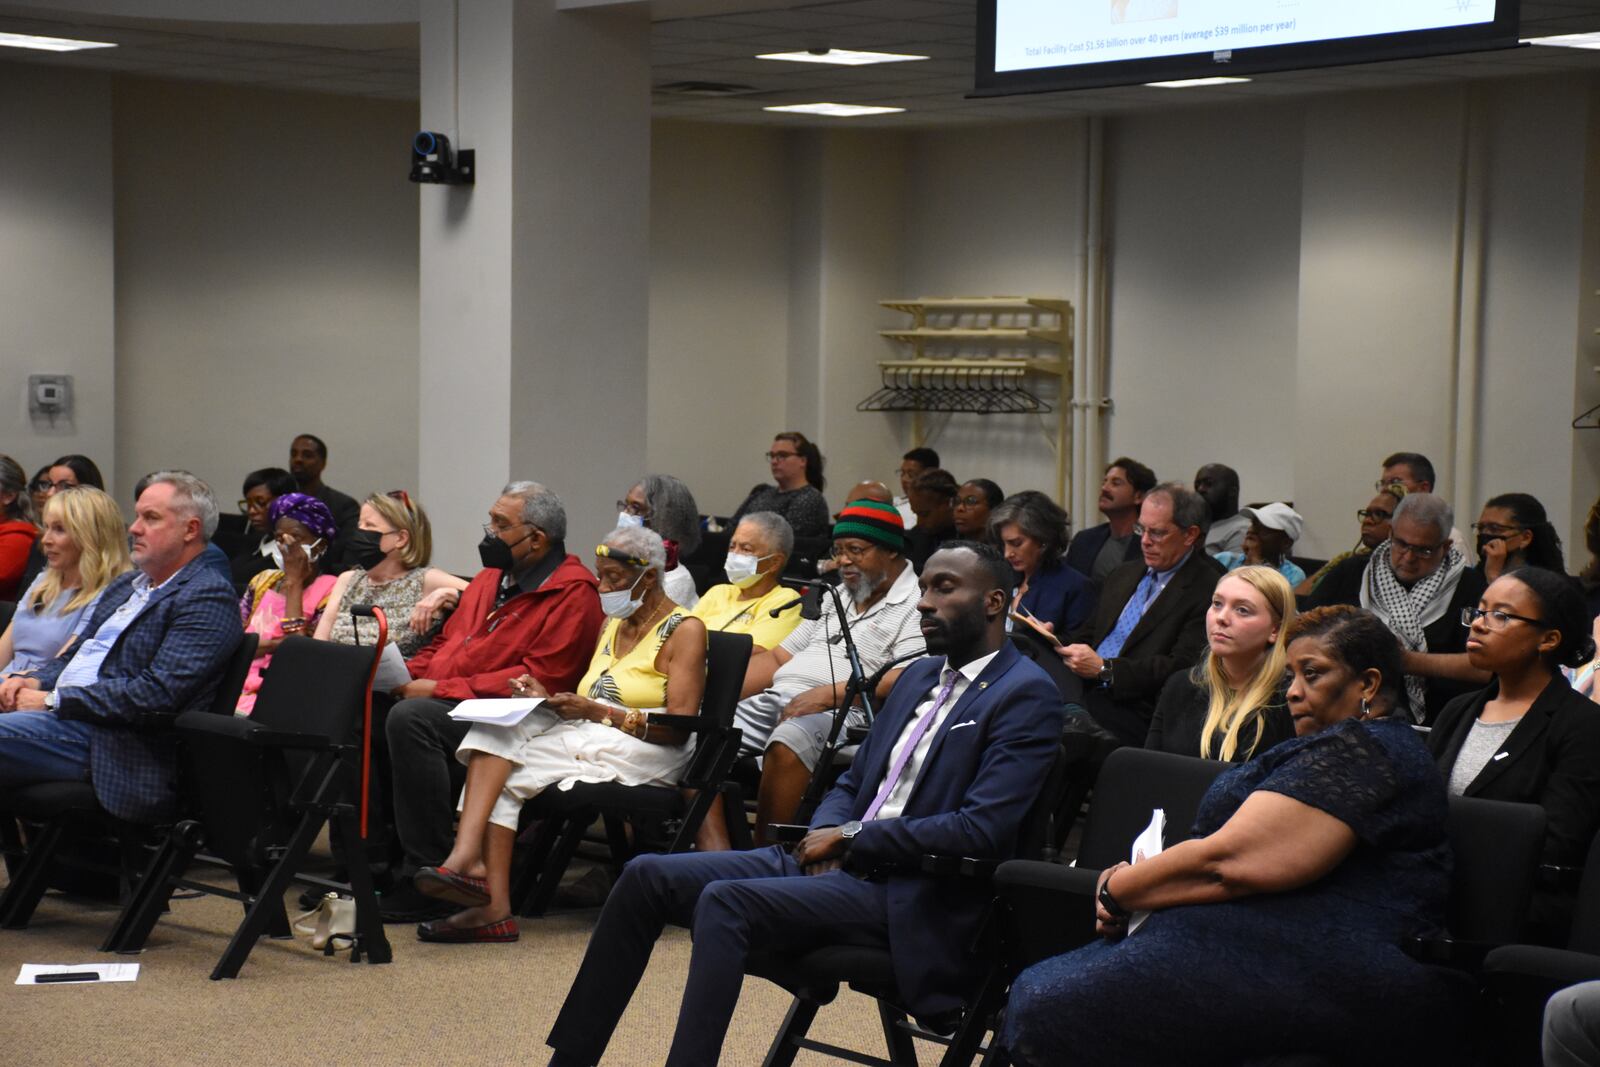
point(190, 495)
point(1428, 509)
point(775, 528)
point(673, 513)
point(1189, 508)
point(640, 542)
point(13, 479)
point(540, 507)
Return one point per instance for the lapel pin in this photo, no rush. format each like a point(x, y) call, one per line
point(1501, 755)
point(983, 685)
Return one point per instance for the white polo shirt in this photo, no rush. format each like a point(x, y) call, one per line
point(887, 630)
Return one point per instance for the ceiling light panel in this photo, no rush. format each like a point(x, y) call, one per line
point(842, 57)
point(837, 111)
point(49, 44)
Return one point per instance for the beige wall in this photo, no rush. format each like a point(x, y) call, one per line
point(56, 275)
point(266, 282)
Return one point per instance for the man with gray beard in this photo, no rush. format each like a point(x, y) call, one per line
point(787, 688)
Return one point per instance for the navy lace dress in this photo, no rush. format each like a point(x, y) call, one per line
point(1315, 970)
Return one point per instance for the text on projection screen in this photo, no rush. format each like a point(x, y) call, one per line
point(1060, 33)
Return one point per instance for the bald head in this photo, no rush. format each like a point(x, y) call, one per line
point(870, 491)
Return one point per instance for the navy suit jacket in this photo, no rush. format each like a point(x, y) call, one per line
point(970, 799)
point(167, 661)
point(1087, 545)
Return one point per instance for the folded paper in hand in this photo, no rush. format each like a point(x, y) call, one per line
point(505, 712)
point(1147, 846)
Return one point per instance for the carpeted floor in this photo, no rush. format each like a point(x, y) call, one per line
point(477, 1004)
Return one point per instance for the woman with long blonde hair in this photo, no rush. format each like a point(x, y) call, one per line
point(85, 545)
point(1231, 705)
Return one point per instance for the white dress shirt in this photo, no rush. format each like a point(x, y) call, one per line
point(895, 803)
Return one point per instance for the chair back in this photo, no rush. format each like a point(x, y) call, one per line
point(1034, 647)
point(1585, 936)
point(1497, 845)
point(233, 676)
point(1037, 832)
point(315, 687)
point(727, 656)
point(1132, 782)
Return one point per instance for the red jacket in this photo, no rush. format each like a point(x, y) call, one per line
point(16, 541)
point(549, 633)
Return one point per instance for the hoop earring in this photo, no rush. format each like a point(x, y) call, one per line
point(1366, 708)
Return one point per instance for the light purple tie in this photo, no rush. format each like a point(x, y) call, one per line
point(899, 767)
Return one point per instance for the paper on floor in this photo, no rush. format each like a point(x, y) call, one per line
point(107, 972)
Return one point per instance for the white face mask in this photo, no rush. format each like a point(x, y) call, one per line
point(626, 520)
point(619, 603)
point(744, 570)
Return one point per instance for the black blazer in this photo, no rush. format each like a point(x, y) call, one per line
point(1087, 544)
point(1169, 637)
point(1181, 715)
point(1551, 758)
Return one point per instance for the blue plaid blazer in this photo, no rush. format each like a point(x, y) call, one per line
point(167, 661)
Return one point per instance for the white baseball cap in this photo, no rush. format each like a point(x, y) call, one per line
point(1277, 517)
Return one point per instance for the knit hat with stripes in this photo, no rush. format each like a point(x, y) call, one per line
point(871, 521)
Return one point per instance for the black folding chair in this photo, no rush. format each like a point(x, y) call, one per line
point(267, 785)
point(58, 813)
point(565, 815)
point(814, 976)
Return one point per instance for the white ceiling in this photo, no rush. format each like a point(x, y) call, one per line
point(380, 60)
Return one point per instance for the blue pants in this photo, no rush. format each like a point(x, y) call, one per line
point(733, 902)
point(35, 746)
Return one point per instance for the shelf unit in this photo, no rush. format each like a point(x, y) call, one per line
point(980, 355)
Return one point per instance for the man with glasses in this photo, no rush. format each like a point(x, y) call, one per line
point(533, 609)
point(1417, 582)
point(1413, 473)
point(789, 689)
point(1150, 618)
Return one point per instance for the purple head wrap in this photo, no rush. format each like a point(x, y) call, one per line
point(305, 509)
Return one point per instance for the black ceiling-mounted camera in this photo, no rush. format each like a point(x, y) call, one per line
point(434, 162)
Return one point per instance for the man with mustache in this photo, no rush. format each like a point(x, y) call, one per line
point(950, 766)
point(788, 688)
point(1099, 550)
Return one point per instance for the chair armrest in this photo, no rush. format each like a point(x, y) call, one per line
point(692, 724)
point(244, 731)
point(1078, 882)
point(1448, 952)
point(1555, 966)
point(1557, 877)
point(959, 867)
point(786, 833)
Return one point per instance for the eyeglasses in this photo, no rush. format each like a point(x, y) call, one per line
point(1397, 546)
point(245, 506)
point(970, 501)
point(640, 510)
point(1495, 620)
point(1380, 485)
point(773, 457)
point(1142, 531)
point(1494, 529)
point(1373, 514)
point(45, 485)
point(491, 530)
point(852, 553)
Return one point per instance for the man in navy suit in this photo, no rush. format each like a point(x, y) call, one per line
point(155, 645)
point(951, 765)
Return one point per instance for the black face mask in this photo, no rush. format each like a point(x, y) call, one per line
point(364, 549)
point(494, 552)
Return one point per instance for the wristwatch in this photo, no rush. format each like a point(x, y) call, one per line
point(850, 829)
point(1104, 677)
point(1108, 902)
point(50, 700)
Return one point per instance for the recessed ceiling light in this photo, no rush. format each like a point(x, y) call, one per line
point(1568, 40)
point(838, 111)
point(1190, 83)
point(49, 44)
point(843, 57)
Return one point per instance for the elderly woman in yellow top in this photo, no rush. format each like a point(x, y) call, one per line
point(651, 657)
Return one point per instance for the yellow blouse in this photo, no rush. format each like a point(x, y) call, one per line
point(631, 681)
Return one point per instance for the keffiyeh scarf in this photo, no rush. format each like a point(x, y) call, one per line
point(1408, 611)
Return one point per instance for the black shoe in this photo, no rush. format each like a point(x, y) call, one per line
point(406, 905)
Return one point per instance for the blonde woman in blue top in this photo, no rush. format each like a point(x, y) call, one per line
point(85, 547)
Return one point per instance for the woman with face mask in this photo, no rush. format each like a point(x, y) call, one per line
point(288, 599)
point(1514, 531)
point(651, 657)
point(388, 555)
point(664, 504)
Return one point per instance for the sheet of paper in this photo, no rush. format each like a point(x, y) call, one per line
point(1149, 843)
point(507, 712)
point(107, 972)
point(392, 672)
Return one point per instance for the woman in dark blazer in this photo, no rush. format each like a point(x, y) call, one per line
point(1031, 530)
point(1528, 736)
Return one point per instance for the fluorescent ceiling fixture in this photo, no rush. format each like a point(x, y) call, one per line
point(1191, 83)
point(843, 57)
point(49, 44)
point(838, 111)
point(1568, 40)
